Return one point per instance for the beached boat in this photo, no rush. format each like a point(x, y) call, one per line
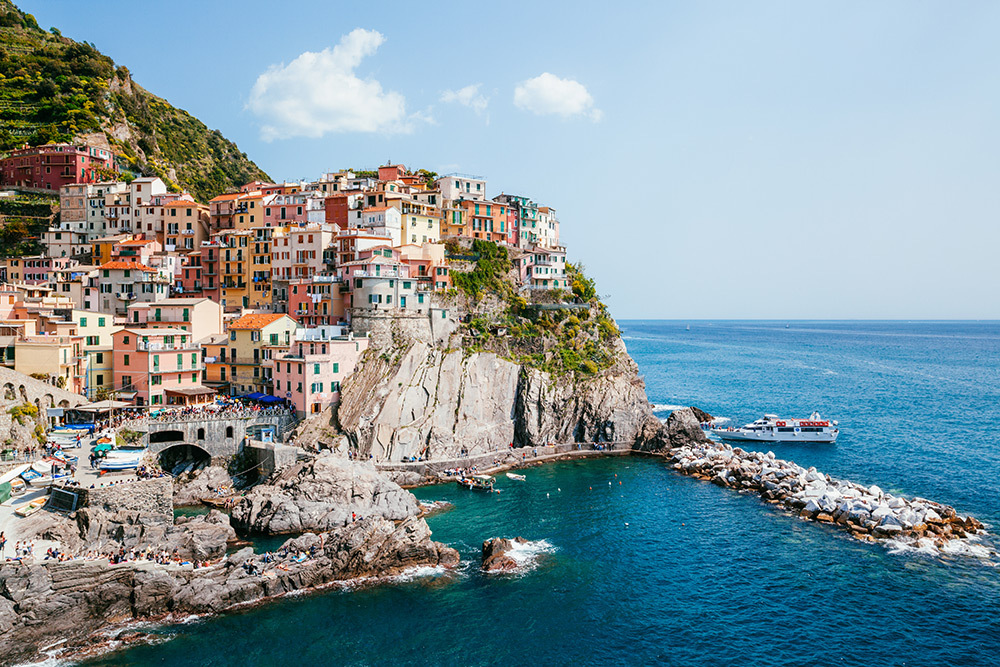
point(772, 428)
point(122, 459)
point(30, 508)
point(514, 475)
point(477, 482)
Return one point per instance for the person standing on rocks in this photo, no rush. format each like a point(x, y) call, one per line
point(3, 543)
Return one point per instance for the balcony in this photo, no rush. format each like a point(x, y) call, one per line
point(383, 274)
point(187, 232)
point(167, 347)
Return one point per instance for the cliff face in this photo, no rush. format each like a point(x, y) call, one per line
point(443, 403)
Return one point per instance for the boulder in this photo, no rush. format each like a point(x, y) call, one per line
point(204, 485)
point(326, 492)
point(495, 554)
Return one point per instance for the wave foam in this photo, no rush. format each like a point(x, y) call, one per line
point(527, 554)
point(666, 407)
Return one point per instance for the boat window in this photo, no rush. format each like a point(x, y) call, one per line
point(785, 429)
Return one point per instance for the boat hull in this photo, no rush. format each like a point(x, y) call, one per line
point(742, 436)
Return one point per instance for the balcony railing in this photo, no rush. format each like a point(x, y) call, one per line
point(167, 347)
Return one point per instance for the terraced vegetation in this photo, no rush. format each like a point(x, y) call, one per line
point(53, 89)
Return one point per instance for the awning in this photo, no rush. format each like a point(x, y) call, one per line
point(269, 399)
point(102, 406)
point(189, 391)
point(256, 396)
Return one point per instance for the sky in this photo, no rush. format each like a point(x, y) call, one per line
point(762, 160)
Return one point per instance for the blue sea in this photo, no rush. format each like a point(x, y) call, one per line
point(632, 564)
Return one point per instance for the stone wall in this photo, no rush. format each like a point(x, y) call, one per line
point(153, 496)
point(385, 328)
point(271, 456)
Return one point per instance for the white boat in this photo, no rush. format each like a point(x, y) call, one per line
point(122, 459)
point(772, 428)
point(514, 475)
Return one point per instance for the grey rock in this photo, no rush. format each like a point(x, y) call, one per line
point(323, 493)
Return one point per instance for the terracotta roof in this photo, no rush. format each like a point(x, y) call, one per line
point(255, 320)
point(377, 208)
point(225, 197)
point(181, 202)
point(136, 242)
point(126, 265)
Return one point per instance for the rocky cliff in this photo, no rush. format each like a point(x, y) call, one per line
point(442, 403)
point(51, 601)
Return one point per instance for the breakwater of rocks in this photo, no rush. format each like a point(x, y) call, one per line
point(868, 513)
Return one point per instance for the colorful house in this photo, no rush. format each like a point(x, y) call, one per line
point(158, 367)
point(309, 375)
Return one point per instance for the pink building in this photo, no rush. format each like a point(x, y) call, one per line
point(158, 367)
point(309, 375)
point(317, 301)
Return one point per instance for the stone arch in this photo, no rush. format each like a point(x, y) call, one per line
point(8, 392)
point(38, 405)
point(23, 392)
point(201, 433)
point(229, 431)
point(64, 403)
point(48, 400)
point(181, 455)
point(165, 436)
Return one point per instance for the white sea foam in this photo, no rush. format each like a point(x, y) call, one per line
point(527, 554)
point(419, 573)
point(666, 407)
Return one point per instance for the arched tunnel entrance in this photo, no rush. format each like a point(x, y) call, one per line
point(183, 457)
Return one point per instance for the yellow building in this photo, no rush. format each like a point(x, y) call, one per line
point(249, 211)
point(238, 364)
point(59, 357)
point(234, 268)
point(260, 268)
point(421, 228)
point(103, 248)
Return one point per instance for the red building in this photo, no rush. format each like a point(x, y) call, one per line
point(52, 166)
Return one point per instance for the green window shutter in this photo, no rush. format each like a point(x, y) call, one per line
point(336, 367)
point(315, 369)
point(180, 361)
point(83, 321)
point(100, 321)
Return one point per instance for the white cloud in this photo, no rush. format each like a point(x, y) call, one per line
point(320, 92)
point(468, 96)
point(548, 94)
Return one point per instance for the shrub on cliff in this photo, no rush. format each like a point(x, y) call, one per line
point(490, 273)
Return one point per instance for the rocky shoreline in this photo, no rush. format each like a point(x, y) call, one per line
point(360, 528)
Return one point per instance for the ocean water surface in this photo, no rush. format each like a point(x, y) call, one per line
point(631, 563)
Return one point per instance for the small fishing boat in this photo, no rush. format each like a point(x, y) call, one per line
point(514, 475)
point(477, 482)
point(30, 508)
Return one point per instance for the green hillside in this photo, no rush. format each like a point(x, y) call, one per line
point(53, 89)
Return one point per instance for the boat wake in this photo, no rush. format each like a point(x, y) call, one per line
point(666, 407)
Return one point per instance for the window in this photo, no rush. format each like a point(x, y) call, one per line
point(100, 321)
point(126, 382)
point(180, 361)
point(126, 359)
point(99, 380)
point(334, 386)
point(194, 360)
point(336, 367)
point(315, 369)
point(155, 379)
point(232, 335)
point(100, 358)
point(406, 285)
point(229, 431)
point(83, 321)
